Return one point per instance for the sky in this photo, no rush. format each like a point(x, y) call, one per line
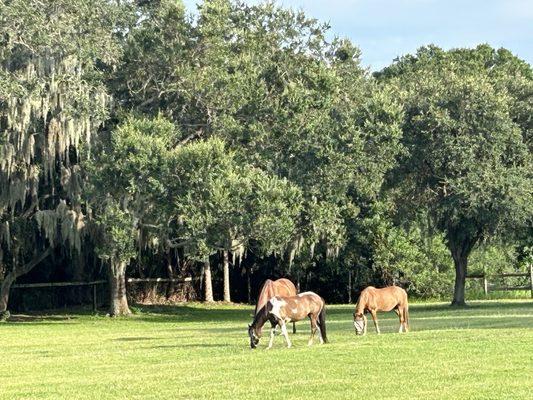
point(385, 29)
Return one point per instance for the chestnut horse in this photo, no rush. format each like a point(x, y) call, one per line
point(280, 309)
point(280, 287)
point(373, 300)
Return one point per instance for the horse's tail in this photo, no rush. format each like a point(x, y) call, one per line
point(322, 323)
point(406, 315)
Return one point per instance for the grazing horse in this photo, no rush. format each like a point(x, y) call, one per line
point(279, 287)
point(279, 310)
point(373, 300)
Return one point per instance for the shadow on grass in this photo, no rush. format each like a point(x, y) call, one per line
point(431, 317)
point(192, 345)
point(185, 313)
point(223, 320)
point(476, 306)
point(24, 318)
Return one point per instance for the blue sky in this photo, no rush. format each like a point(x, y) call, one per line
point(384, 29)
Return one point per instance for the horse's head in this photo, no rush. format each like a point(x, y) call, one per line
point(254, 335)
point(358, 323)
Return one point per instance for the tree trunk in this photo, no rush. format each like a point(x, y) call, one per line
point(208, 282)
point(461, 263)
point(4, 294)
point(118, 302)
point(227, 297)
point(460, 249)
point(10, 278)
point(170, 272)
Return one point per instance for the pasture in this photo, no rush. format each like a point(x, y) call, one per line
point(198, 352)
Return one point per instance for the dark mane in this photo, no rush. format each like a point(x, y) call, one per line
point(261, 317)
point(264, 292)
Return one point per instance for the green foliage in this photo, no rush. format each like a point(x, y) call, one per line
point(128, 185)
point(468, 160)
point(468, 163)
point(264, 80)
point(223, 204)
point(412, 257)
point(116, 232)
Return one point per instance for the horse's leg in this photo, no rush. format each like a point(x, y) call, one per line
point(294, 327)
point(285, 333)
point(272, 335)
point(320, 333)
point(365, 323)
point(375, 319)
point(406, 318)
point(313, 329)
point(399, 311)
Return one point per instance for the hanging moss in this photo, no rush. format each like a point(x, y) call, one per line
point(53, 113)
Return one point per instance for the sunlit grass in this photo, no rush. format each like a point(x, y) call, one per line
point(195, 352)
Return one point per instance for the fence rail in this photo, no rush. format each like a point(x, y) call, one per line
point(487, 286)
point(94, 285)
point(135, 280)
point(54, 284)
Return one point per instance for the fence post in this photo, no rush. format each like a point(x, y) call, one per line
point(485, 284)
point(94, 297)
point(531, 278)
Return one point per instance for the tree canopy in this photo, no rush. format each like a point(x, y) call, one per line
point(469, 161)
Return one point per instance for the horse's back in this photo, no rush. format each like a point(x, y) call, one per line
point(302, 303)
point(285, 287)
point(399, 293)
point(384, 299)
point(279, 287)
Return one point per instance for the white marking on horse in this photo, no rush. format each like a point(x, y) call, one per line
point(276, 307)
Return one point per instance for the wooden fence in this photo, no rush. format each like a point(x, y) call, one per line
point(487, 286)
point(94, 285)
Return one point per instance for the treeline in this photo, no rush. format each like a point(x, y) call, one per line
point(138, 139)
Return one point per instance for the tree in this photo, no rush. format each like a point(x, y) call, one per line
point(52, 99)
point(469, 163)
point(224, 205)
point(127, 194)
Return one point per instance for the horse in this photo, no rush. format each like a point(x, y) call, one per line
point(386, 299)
point(279, 287)
point(282, 309)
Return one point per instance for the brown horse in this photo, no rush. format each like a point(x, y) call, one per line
point(373, 300)
point(279, 310)
point(279, 287)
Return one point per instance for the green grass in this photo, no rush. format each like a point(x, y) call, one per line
point(194, 352)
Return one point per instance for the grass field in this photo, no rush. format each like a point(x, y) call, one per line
point(193, 352)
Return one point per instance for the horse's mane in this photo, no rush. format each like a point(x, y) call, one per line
point(261, 317)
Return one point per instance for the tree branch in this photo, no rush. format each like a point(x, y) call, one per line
point(190, 137)
point(29, 266)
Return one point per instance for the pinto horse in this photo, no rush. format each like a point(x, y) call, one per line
point(373, 300)
point(279, 310)
point(279, 287)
